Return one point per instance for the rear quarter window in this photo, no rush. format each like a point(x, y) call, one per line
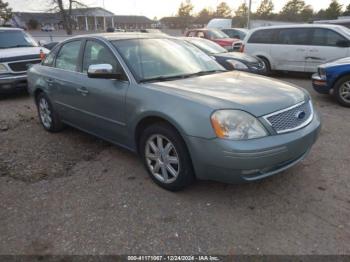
point(265, 36)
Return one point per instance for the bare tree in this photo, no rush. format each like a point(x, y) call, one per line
point(64, 8)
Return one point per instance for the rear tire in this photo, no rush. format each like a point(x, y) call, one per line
point(166, 158)
point(47, 115)
point(342, 91)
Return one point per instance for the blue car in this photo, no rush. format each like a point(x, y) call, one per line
point(334, 78)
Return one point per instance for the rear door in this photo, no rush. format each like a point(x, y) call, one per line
point(64, 81)
point(291, 49)
point(324, 48)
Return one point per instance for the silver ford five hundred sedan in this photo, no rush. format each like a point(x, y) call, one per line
point(185, 115)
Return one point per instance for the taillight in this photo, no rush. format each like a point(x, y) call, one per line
point(42, 55)
point(241, 48)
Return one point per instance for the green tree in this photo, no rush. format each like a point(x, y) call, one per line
point(265, 10)
point(223, 10)
point(185, 13)
point(185, 9)
point(5, 11)
point(347, 10)
point(334, 10)
point(292, 10)
point(321, 14)
point(241, 13)
point(307, 13)
point(204, 15)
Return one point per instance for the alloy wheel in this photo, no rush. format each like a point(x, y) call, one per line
point(344, 91)
point(45, 113)
point(162, 159)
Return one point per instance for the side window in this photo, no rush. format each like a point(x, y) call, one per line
point(200, 34)
point(265, 36)
point(50, 58)
point(293, 36)
point(96, 53)
point(192, 34)
point(67, 57)
point(326, 37)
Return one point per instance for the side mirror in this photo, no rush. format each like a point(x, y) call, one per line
point(343, 43)
point(103, 71)
point(42, 42)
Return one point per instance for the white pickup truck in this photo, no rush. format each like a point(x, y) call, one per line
point(18, 50)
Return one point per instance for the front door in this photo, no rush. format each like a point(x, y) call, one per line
point(102, 101)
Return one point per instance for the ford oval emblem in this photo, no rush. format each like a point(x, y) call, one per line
point(300, 115)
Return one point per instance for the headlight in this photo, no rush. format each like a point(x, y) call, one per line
point(236, 125)
point(3, 69)
point(237, 65)
point(322, 72)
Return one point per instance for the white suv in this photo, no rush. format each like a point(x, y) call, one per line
point(18, 50)
point(299, 48)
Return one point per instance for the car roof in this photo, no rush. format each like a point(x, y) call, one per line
point(203, 29)
point(329, 26)
point(10, 29)
point(122, 36)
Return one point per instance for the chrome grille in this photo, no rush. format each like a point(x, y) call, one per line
point(22, 65)
point(291, 118)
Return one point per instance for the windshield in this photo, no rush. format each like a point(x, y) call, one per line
point(345, 30)
point(217, 34)
point(207, 46)
point(164, 58)
point(13, 39)
point(236, 33)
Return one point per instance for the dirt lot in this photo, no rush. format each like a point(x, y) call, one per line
point(70, 193)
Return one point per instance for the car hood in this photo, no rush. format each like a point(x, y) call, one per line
point(236, 90)
point(239, 56)
point(10, 54)
point(342, 61)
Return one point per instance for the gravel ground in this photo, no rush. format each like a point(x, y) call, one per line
point(71, 193)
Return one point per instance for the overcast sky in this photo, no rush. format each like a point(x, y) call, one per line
point(152, 8)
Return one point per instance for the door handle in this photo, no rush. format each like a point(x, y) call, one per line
point(313, 58)
point(50, 81)
point(82, 90)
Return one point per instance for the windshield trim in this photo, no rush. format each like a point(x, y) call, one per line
point(173, 77)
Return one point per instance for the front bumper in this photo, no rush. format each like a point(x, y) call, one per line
point(10, 82)
point(242, 161)
point(320, 84)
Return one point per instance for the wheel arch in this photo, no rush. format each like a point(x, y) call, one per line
point(151, 118)
point(338, 77)
point(37, 92)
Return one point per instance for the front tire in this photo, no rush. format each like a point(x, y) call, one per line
point(267, 65)
point(342, 91)
point(166, 157)
point(48, 117)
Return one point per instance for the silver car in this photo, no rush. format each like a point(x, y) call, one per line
point(166, 100)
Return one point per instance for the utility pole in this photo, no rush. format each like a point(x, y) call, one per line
point(249, 12)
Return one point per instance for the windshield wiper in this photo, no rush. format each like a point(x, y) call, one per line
point(203, 73)
point(164, 78)
point(14, 46)
point(169, 78)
